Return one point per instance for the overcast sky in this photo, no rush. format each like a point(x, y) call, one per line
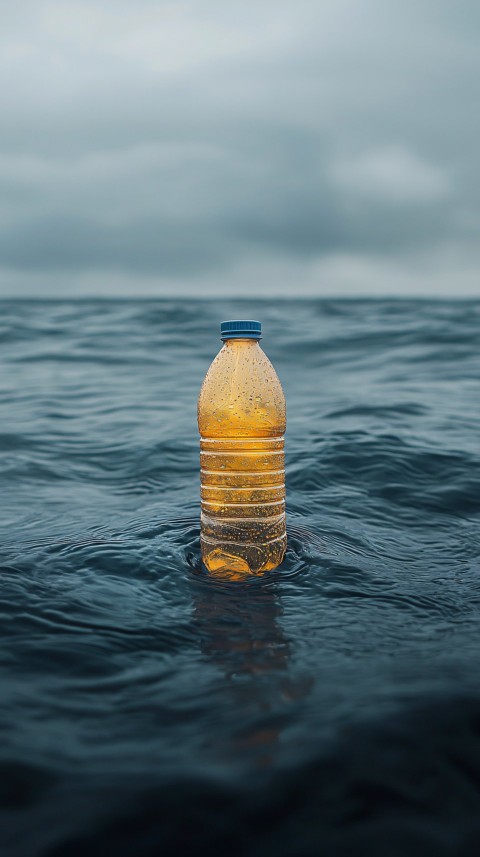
point(274, 147)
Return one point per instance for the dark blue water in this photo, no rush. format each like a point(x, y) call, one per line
point(329, 708)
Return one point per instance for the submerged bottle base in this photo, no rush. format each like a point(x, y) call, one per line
point(234, 561)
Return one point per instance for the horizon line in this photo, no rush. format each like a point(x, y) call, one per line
point(283, 298)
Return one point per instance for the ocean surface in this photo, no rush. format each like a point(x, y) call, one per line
point(331, 707)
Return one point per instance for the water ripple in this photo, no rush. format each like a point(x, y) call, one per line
point(143, 699)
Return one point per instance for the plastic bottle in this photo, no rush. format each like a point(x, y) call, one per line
point(241, 420)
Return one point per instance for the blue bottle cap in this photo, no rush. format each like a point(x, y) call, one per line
point(241, 330)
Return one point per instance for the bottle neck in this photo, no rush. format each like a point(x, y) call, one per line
point(241, 342)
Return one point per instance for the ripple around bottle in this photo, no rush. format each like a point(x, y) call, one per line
point(303, 550)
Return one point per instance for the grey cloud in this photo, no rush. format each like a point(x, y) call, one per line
point(295, 134)
point(146, 245)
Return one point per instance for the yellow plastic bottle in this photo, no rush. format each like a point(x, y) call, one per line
point(241, 420)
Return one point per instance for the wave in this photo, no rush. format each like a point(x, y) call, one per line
point(330, 706)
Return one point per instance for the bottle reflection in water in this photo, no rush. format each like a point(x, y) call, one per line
point(239, 633)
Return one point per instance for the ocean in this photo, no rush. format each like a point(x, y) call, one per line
point(331, 707)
